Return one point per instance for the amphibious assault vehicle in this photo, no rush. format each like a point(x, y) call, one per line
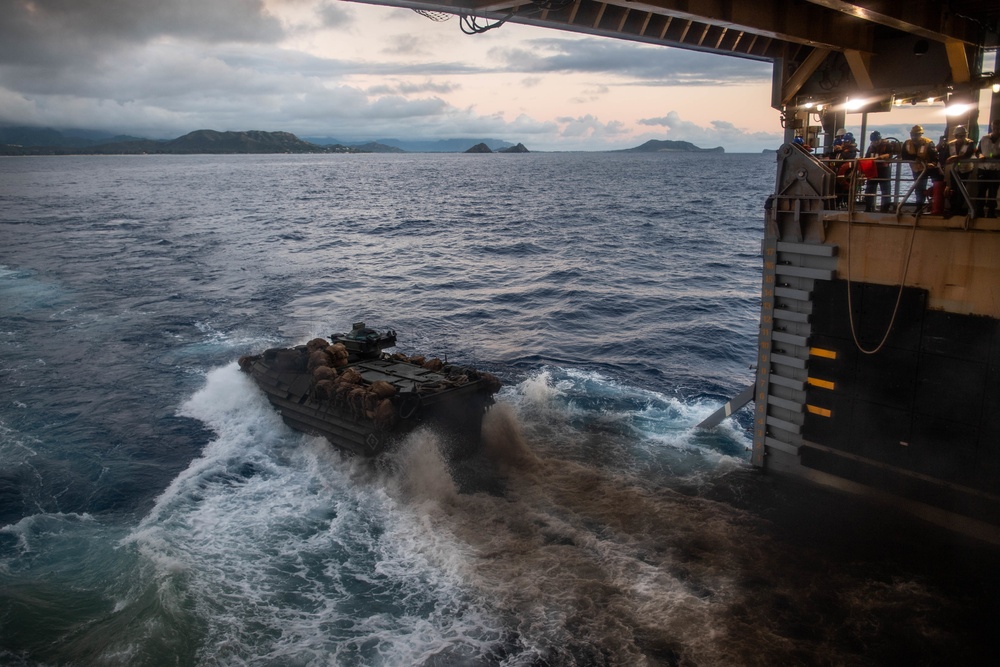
point(363, 400)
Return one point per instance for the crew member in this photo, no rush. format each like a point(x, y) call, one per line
point(920, 152)
point(849, 147)
point(989, 171)
point(958, 166)
point(880, 151)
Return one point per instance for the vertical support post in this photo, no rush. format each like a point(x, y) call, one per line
point(769, 250)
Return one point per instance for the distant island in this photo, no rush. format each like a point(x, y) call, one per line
point(47, 141)
point(483, 148)
point(480, 148)
point(197, 142)
point(668, 146)
point(459, 145)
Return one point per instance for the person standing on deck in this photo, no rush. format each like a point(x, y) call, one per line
point(958, 166)
point(880, 151)
point(942, 144)
point(919, 151)
point(838, 145)
point(801, 144)
point(849, 147)
point(989, 172)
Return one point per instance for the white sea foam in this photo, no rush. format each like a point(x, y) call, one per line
point(288, 549)
point(555, 404)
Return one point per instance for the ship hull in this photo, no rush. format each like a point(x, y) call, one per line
point(879, 353)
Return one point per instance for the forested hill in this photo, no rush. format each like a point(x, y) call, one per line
point(666, 145)
point(251, 141)
point(199, 141)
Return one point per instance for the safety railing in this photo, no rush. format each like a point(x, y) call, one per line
point(964, 187)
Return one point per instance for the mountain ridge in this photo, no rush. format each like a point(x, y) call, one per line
point(49, 141)
point(196, 142)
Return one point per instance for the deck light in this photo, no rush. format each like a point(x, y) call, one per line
point(996, 87)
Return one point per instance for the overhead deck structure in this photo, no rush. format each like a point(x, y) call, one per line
point(878, 362)
point(824, 49)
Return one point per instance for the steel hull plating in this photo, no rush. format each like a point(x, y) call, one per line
point(879, 353)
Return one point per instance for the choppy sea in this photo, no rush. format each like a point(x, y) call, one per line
point(154, 510)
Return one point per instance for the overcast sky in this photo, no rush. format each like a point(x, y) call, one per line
point(162, 68)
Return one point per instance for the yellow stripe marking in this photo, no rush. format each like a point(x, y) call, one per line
point(822, 384)
point(822, 412)
point(820, 352)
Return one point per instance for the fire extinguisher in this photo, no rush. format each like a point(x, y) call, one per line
point(937, 198)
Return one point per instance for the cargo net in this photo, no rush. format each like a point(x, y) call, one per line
point(437, 17)
point(471, 24)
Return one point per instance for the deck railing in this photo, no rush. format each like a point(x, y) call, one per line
point(966, 187)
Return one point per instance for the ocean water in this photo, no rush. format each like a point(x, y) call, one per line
point(154, 510)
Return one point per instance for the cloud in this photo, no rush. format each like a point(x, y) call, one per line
point(335, 15)
point(525, 125)
point(400, 107)
point(406, 45)
point(164, 91)
point(54, 33)
point(591, 95)
point(589, 126)
point(412, 88)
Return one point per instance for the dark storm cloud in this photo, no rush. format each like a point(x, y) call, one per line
point(54, 33)
point(652, 65)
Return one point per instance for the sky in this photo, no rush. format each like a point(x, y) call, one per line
point(355, 72)
point(327, 68)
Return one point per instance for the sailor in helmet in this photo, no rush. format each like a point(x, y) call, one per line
point(849, 149)
point(961, 151)
point(844, 146)
point(880, 151)
point(920, 152)
point(838, 142)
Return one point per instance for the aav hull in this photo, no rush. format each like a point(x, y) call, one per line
point(372, 400)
